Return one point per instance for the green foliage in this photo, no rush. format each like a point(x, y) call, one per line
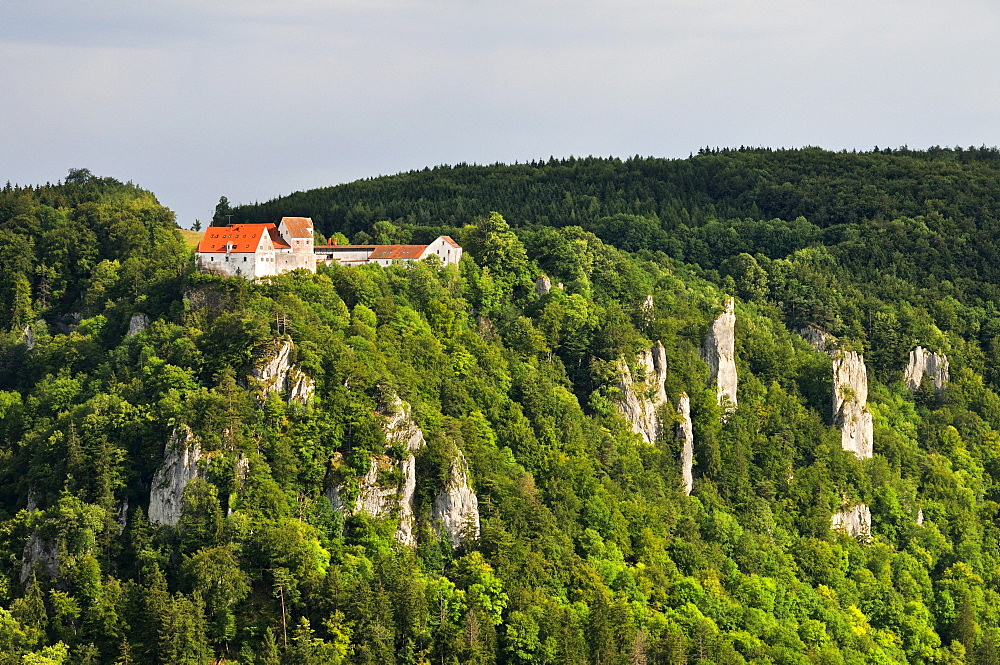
point(588, 551)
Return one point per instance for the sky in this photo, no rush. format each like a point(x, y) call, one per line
point(252, 99)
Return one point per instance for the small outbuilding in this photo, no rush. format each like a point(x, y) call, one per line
point(446, 249)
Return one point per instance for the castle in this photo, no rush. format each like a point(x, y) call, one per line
point(261, 250)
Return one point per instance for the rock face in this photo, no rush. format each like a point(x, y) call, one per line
point(137, 324)
point(819, 339)
point(29, 338)
point(41, 553)
point(379, 500)
point(854, 521)
point(851, 416)
point(300, 386)
point(179, 467)
point(272, 371)
point(686, 435)
point(456, 507)
point(647, 311)
point(719, 351)
point(642, 396)
point(850, 403)
point(850, 392)
point(123, 516)
point(543, 285)
point(924, 363)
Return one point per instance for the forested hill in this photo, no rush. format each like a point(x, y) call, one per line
point(828, 188)
point(484, 463)
point(888, 226)
point(703, 208)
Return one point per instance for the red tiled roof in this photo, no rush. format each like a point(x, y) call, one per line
point(451, 242)
point(242, 237)
point(298, 227)
point(398, 252)
point(276, 239)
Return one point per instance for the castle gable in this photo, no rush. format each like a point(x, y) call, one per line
point(236, 238)
point(297, 227)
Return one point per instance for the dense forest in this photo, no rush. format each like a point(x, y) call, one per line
point(116, 353)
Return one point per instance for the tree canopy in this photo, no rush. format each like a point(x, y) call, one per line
point(589, 551)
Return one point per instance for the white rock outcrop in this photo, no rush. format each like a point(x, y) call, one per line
point(854, 521)
point(719, 351)
point(378, 499)
point(299, 385)
point(271, 370)
point(643, 394)
point(543, 285)
point(851, 416)
point(333, 487)
point(647, 306)
point(395, 499)
point(270, 365)
point(41, 554)
point(850, 403)
point(123, 516)
point(819, 339)
point(924, 363)
point(456, 507)
point(241, 470)
point(179, 467)
point(29, 338)
point(685, 433)
point(137, 324)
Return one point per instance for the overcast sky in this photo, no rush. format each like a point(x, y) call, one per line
point(253, 99)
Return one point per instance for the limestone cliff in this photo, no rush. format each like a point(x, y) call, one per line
point(686, 435)
point(378, 498)
point(818, 338)
point(924, 363)
point(271, 370)
point(851, 416)
point(123, 516)
point(33, 332)
point(854, 521)
point(388, 487)
point(299, 386)
point(456, 507)
point(850, 403)
point(179, 467)
point(643, 394)
point(543, 285)
point(41, 555)
point(719, 351)
point(137, 324)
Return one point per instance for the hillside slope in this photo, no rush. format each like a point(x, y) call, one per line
point(433, 464)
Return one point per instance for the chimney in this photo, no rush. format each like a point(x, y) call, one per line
point(335, 241)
